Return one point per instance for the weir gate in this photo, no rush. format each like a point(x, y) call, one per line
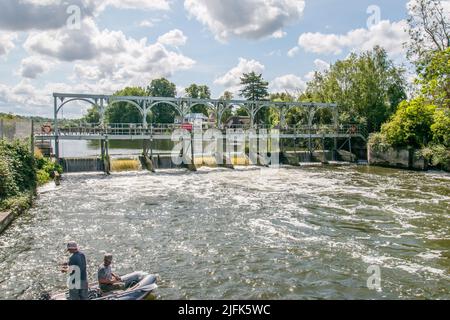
point(301, 141)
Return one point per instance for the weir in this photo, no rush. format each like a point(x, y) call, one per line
point(306, 142)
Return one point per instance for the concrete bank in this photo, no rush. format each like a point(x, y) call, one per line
point(8, 216)
point(402, 158)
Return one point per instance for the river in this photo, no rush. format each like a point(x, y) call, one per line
point(292, 233)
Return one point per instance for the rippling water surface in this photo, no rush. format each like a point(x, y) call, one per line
point(295, 233)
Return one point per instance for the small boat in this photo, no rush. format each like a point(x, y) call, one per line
point(139, 286)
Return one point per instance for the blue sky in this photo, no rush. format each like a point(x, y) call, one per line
point(188, 41)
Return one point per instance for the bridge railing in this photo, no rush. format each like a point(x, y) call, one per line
point(167, 129)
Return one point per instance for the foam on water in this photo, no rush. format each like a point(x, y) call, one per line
point(248, 233)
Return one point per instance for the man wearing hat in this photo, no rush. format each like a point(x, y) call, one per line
point(108, 280)
point(78, 274)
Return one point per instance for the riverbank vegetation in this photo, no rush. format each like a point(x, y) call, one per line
point(423, 121)
point(21, 172)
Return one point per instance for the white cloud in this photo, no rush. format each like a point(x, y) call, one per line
point(251, 19)
point(279, 34)
point(146, 24)
point(174, 38)
point(33, 66)
point(110, 54)
point(7, 42)
point(26, 15)
point(135, 4)
point(390, 36)
point(232, 79)
point(293, 52)
point(321, 65)
point(289, 82)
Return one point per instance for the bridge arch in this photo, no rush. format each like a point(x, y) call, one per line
point(93, 103)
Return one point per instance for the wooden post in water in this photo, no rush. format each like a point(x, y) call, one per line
point(350, 146)
point(106, 161)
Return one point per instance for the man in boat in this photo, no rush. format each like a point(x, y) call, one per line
point(108, 280)
point(78, 289)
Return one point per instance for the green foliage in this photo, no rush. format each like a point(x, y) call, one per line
point(367, 87)
point(378, 142)
point(255, 88)
point(441, 128)
point(163, 112)
point(437, 155)
point(411, 125)
point(93, 115)
point(429, 30)
point(162, 88)
point(434, 78)
point(42, 177)
point(17, 169)
point(195, 91)
point(123, 112)
point(45, 169)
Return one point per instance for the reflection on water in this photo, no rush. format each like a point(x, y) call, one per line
point(84, 148)
point(290, 234)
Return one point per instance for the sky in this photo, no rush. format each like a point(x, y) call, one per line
point(100, 46)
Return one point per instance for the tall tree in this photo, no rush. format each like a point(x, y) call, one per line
point(195, 91)
point(163, 112)
point(434, 78)
point(255, 88)
point(367, 87)
point(123, 112)
point(429, 29)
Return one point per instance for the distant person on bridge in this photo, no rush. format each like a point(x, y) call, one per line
point(78, 289)
point(108, 280)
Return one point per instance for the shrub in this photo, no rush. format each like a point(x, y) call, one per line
point(17, 169)
point(437, 155)
point(378, 142)
point(441, 128)
point(411, 124)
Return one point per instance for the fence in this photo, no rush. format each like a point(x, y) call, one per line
point(12, 129)
point(17, 129)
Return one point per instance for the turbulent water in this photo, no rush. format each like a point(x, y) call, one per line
point(295, 233)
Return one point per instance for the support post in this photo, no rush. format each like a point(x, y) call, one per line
point(107, 161)
point(1, 129)
point(32, 138)
point(56, 129)
point(350, 146)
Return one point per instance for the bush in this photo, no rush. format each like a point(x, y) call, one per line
point(411, 124)
point(45, 168)
point(437, 155)
point(441, 128)
point(17, 169)
point(378, 142)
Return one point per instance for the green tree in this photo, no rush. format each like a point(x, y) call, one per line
point(123, 112)
point(434, 78)
point(92, 116)
point(411, 124)
point(429, 30)
point(195, 91)
point(255, 89)
point(367, 88)
point(163, 112)
point(227, 95)
point(441, 128)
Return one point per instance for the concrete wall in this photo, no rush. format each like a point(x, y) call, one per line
point(405, 158)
